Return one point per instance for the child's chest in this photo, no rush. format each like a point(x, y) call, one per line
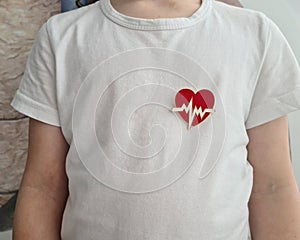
point(143, 110)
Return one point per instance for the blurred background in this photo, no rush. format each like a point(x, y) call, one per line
point(19, 23)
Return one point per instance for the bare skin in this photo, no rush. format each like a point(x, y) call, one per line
point(274, 205)
point(161, 8)
point(44, 187)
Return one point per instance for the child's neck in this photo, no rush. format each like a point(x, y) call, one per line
point(156, 8)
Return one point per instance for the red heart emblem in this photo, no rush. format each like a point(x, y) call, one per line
point(194, 108)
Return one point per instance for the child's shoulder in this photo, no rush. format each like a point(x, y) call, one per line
point(249, 22)
point(243, 16)
point(79, 17)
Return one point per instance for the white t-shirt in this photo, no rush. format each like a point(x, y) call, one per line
point(155, 112)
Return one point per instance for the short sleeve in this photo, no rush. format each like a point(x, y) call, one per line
point(36, 94)
point(277, 90)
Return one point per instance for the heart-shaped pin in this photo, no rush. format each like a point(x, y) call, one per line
point(194, 108)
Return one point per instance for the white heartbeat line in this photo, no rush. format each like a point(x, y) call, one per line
point(188, 109)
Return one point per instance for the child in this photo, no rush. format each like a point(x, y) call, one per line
point(140, 117)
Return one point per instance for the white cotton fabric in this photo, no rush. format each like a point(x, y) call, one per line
point(136, 172)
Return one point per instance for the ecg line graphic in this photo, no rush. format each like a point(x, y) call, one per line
point(192, 114)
